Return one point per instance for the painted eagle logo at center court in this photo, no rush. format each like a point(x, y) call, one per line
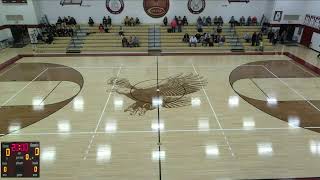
point(172, 92)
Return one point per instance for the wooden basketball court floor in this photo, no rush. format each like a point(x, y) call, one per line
point(220, 116)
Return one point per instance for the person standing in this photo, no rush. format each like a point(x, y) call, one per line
point(165, 21)
point(173, 25)
point(254, 39)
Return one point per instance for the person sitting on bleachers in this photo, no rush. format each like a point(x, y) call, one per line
point(121, 32)
point(104, 21)
point(211, 42)
point(173, 25)
point(242, 21)
point(72, 21)
point(215, 20)
point(193, 41)
point(198, 36)
point(217, 39)
point(70, 31)
point(126, 21)
point(165, 21)
point(220, 21)
point(199, 21)
point(222, 41)
point(232, 21)
point(254, 21)
point(246, 37)
point(185, 21)
point(59, 21)
point(91, 22)
point(101, 28)
point(65, 20)
point(219, 29)
point(109, 21)
point(124, 41)
point(186, 38)
point(179, 24)
point(49, 39)
point(206, 39)
point(209, 21)
point(249, 21)
point(136, 42)
point(254, 39)
point(204, 21)
point(137, 21)
point(132, 22)
point(130, 42)
point(199, 27)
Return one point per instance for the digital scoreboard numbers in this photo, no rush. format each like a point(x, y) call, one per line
point(20, 159)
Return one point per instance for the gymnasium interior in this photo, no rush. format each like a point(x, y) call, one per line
point(160, 89)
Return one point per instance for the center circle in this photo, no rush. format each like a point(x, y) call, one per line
point(152, 84)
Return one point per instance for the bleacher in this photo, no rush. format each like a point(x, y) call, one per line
point(173, 41)
point(96, 41)
point(92, 40)
point(241, 30)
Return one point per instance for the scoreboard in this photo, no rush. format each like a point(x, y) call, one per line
point(20, 159)
point(14, 1)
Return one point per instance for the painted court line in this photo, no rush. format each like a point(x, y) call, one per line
point(23, 88)
point(101, 115)
point(292, 89)
point(215, 114)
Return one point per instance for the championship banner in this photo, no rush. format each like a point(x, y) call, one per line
point(115, 6)
point(196, 6)
point(156, 8)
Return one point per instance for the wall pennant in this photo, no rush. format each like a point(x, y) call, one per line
point(196, 6)
point(115, 6)
point(156, 8)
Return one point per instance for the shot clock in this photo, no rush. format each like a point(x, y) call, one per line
point(20, 159)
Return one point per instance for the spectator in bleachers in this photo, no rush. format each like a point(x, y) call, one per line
point(72, 21)
point(217, 39)
point(65, 20)
point(204, 21)
point(90, 22)
point(130, 42)
point(165, 21)
point(259, 38)
point(121, 32)
point(275, 38)
point(220, 21)
point(137, 21)
point(199, 27)
point(101, 28)
point(211, 42)
point(135, 41)
point(254, 21)
point(246, 37)
point(109, 21)
point(186, 38)
point(198, 36)
point(215, 20)
point(176, 18)
point(242, 21)
point(199, 21)
point(185, 21)
point(59, 21)
point(219, 29)
point(126, 21)
point(249, 21)
point(124, 41)
point(193, 41)
point(209, 21)
point(132, 22)
point(254, 39)
point(232, 21)
point(222, 41)
point(206, 39)
point(173, 25)
point(179, 24)
point(104, 21)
